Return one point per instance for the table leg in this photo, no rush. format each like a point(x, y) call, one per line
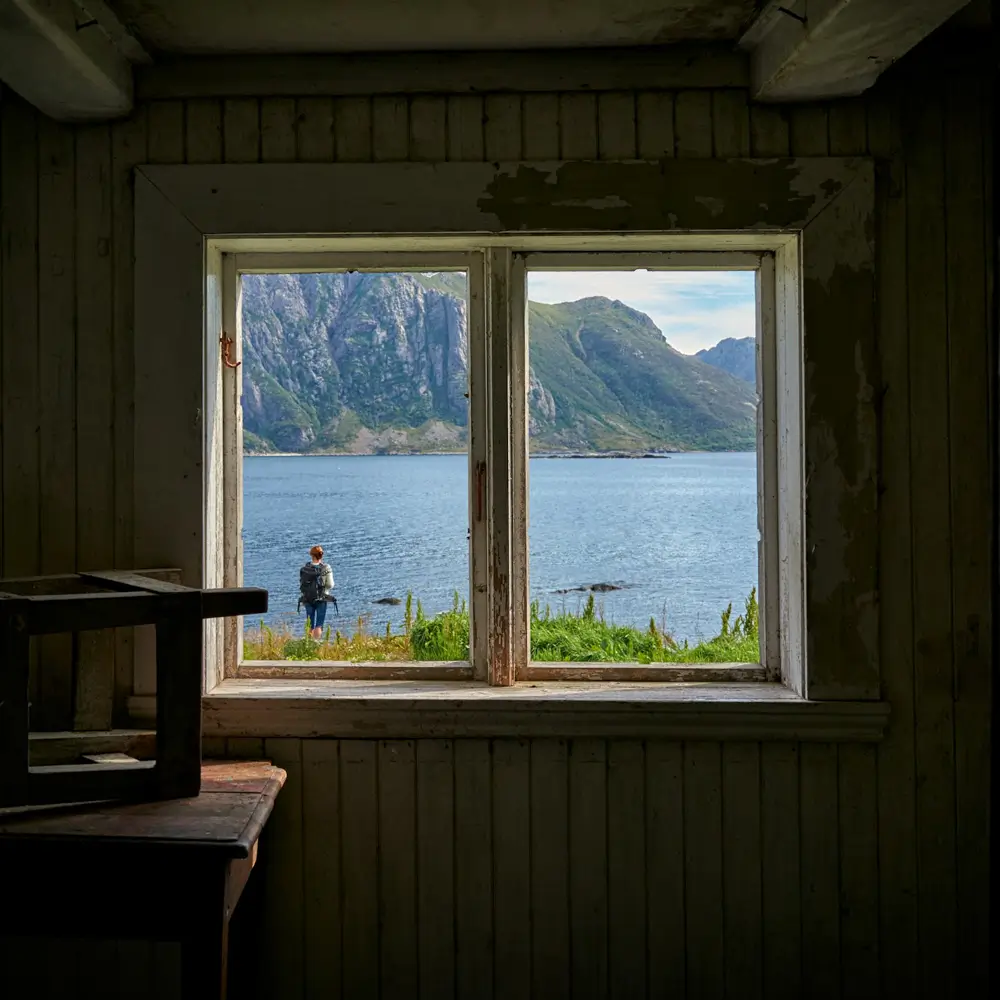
point(205, 949)
point(205, 944)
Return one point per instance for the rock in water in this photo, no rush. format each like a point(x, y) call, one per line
point(387, 600)
point(596, 588)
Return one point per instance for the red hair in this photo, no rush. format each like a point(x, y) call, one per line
point(316, 552)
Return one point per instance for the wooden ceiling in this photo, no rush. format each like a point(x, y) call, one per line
point(314, 26)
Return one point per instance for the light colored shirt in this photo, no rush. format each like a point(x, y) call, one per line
point(327, 578)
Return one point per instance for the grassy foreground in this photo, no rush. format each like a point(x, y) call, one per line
point(559, 638)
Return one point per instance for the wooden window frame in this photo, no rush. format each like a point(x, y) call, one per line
point(499, 587)
point(230, 519)
point(815, 214)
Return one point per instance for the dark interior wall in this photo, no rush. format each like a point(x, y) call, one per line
point(482, 868)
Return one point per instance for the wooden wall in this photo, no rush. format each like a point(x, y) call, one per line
point(544, 868)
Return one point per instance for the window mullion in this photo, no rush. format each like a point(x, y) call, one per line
point(498, 329)
point(519, 377)
point(478, 455)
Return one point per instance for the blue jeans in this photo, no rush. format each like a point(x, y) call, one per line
point(316, 613)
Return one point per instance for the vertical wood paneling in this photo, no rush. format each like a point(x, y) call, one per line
point(203, 131)
point(473, 870)
point(428, 123)
point(502, 127)
point(799, 872)
point(359, 830)
point(397, 868)
point(20, 377)
point(578, 127)
point(165, 971)
point(896, 791)
point(436, 868)
point(655, 125)
point(933, 653)
point(321, 853)
point(165, 131)
point(95, 442)
point(314, 129)
point(768, 131)
point(241, 130)
point(541, 126)
point(969, 365)
point(616, 133)
point(245, 748)
point(128, 148)
point(511, 869)
point(741, 861)
point(390, 128)
point(779, 804)
point(57, 404)
point(667, 945)
point(134, 967)
point(283, 970)
point(808, 127)
point(693, 123)
point(858, 815)
point(277, 130)
point(353, 129)
point(848, 128)
point(465, 128)
point(730, 123)
point(549, 869)
point(703, 904)
point(626, 870)
point(818, 792)
point(213, 747)
point(588, 868)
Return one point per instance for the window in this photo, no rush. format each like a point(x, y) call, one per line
point(497, 594)
point(644, 547)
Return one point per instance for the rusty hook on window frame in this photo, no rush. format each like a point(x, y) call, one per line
point(227, 342)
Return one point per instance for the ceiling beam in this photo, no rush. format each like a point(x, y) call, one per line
point(803, 50)
point(71, 59)
point(668, 67)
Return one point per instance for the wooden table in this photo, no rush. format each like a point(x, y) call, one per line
point(170, 870)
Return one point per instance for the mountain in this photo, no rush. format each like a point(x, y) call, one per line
point(369, 362)
point(738, 357)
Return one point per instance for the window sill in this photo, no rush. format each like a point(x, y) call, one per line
point(450, 710)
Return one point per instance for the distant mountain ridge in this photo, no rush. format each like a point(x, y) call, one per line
point(367, 363)
point(738, 357)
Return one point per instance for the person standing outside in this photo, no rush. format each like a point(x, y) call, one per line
point(315, 584)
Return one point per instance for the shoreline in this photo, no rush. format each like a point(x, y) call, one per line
point(651, 454)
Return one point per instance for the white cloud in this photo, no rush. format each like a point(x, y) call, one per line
point(694, 309)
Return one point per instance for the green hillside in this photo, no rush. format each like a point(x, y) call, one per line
point(364, 362)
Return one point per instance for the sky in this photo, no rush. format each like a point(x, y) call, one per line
point(694, 309)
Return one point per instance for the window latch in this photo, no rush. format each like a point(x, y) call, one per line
point(227, 342)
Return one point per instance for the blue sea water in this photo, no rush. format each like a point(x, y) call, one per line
point(679, 533)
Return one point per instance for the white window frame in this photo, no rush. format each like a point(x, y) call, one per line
point(499, 592)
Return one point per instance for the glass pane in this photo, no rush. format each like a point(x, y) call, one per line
point(643, 532)
point(355, 417)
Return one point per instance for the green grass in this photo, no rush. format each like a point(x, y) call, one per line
point(562, 638)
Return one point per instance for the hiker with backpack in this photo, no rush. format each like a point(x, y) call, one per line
point(315, 586)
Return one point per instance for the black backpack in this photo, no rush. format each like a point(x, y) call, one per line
point(311, 582)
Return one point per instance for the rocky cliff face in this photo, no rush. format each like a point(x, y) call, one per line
point(330, 354)
point(738, 357)
point(378, 362)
